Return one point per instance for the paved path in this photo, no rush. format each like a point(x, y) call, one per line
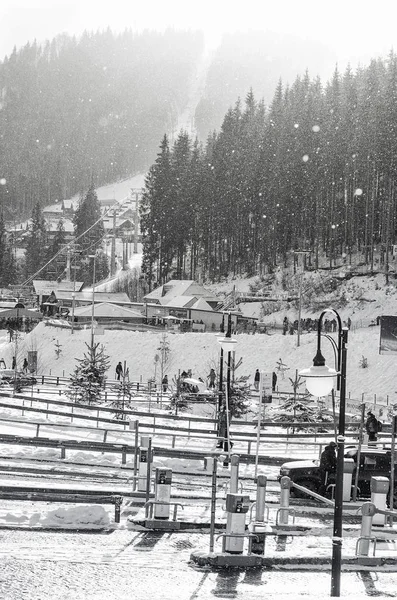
point(140, 566)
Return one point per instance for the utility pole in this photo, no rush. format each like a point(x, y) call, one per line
point(113, 250)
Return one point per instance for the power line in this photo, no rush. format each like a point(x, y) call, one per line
point(71, 243)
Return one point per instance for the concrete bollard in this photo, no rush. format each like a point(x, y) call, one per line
point(285, 485)
point(162, 493)
point(234, 464)
point(258, 543)
point(348, 468)
point(208, 463)
point(144, 463)
point(260, 498)
point(379, 489)
point(236, 507)
point(368, 511)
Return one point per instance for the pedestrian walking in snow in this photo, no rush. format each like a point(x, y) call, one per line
point(211, 378)
point(327, 464)
point(371, 426)
point(257, 379)
point(165, 383)
point(119, 371)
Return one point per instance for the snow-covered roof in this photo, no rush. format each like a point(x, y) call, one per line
point(179, 302)
point(46, 286)
point(112, 297)
point(201, 304)
point(53, 225)
point(58, 207)
point(175, 287)
point(107, 309)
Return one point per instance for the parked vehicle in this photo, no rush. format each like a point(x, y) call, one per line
point(7, 377)
point(374, 462)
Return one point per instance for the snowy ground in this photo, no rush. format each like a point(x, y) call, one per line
point(200, 352)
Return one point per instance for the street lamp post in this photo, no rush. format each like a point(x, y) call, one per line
point(93, 301)
point(220, 382)
point(227, 345)
point(320, 382)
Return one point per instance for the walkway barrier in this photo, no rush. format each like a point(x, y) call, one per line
point(369, 511)
point(348, 468)
point(237, 506)
point(258, 526)
point(145, 462)
point(162, 493)
point(379, 490)
point(53, 494)
point(283, 512)
point(234, 464)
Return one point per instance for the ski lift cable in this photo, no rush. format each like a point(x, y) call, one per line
point(72, 242)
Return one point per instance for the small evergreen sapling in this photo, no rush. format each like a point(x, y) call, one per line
point(88, 379)
point(363, 362)
point(58, 349)
point(125, 393)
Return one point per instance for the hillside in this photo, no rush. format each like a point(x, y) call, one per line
point(77, 112)
point(200, 352)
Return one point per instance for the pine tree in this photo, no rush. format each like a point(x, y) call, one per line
point(7, 260)
point(125, 392)
point(88, 379)
point(157, 219)
point(36, 242)
point(54, 258)
point(89, 232)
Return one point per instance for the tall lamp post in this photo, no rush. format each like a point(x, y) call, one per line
point(93, 301)
point(320, 382)
point(227, 345)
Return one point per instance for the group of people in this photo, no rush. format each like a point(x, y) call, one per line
point(25, 364)
point(372, 426)
point(257, 379)
point(329, 325)
point(328, 457)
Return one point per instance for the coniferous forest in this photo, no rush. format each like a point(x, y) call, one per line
point(317, 169)
point(81, 112)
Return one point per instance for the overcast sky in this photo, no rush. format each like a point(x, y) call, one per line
point(354, 29)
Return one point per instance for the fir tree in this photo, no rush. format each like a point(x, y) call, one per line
point(125, 392)
point(36, 242)
point(89, 232)
point(88, 380)
point(55, 259)
point(7, 260)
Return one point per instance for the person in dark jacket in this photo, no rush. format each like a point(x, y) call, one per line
point(119, 370)
point(165, 383)
point(257, 379)
point(211, 379)
point(274, 381)
point(327, 464)
point(371, 426)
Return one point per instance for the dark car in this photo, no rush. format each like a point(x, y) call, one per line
point(373, 462)
point(8, 376)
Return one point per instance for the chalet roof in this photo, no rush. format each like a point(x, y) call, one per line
point(201, 304)
point(46, 286)
point(175, 287)
point(179, 302)
point(112, 297)
point(53, 225)
point(58, 207)
point(107, 309)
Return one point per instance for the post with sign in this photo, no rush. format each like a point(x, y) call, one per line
point(144, 470)
point(393, 460)
point(265, 396)
point(162, 493)
point(236, 508)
